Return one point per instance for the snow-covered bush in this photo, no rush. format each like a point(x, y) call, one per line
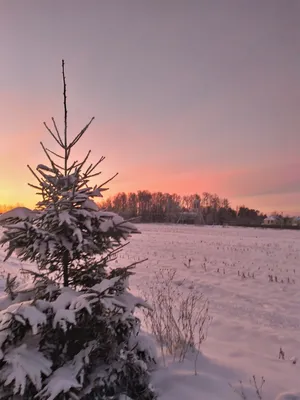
point(70, 333)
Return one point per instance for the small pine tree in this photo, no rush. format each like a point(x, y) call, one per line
point(72, 332)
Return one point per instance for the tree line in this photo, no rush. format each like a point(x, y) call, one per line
point(165, 207)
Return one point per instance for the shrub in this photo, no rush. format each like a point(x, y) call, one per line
point(179, 320)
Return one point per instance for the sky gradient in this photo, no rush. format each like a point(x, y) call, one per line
point(188, 96)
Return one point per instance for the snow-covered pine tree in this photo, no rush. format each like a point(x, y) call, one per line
point(72, 333)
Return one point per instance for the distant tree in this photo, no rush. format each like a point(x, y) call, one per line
point(224, 203)
point(120, 202)
point(107, 204)
point(132, 204)
point(205, 199)
point(144, 204)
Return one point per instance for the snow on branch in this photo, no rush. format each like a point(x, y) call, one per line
point(18, 213)
point(24, 363)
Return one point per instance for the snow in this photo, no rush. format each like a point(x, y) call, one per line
point(65, 218)
point(78, 233)
point(63, 318)
point(82, 302)
point(44, 167)
point(252, 317)
point(25, 313)
point(18, 213)
point(131, 301)
point(106, 225)
point(111, 219)
point(65, 378)
point(64, 300)
point(62, 380)
point(147, 343)
point(90, 205)
point(105, 284)
point(25, 363)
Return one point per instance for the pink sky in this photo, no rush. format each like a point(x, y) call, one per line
point(189, 96)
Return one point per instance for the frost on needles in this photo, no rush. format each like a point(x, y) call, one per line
point(72, 332)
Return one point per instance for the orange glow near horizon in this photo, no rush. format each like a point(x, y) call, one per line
point(241, 185)
point(184, 183)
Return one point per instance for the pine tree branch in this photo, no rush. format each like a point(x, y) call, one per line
point(57, 131)
point(40, 193)
point(36, 176)
point(95, 174)
point(74, 165)
point(78, 137)
point(80, 165)
point(114, 251)
point(10, 286)
point(36, 275)
point(55, 154)
point(82, 184)
point(34, 187)
point(93, 166)
point(53, 163)
point(109, 180)
point(52, 134)
point(136, 263)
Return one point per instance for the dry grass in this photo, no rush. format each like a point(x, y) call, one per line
point(240, 391)
point(179, 320)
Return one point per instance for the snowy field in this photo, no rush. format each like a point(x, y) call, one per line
point(252, 317)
